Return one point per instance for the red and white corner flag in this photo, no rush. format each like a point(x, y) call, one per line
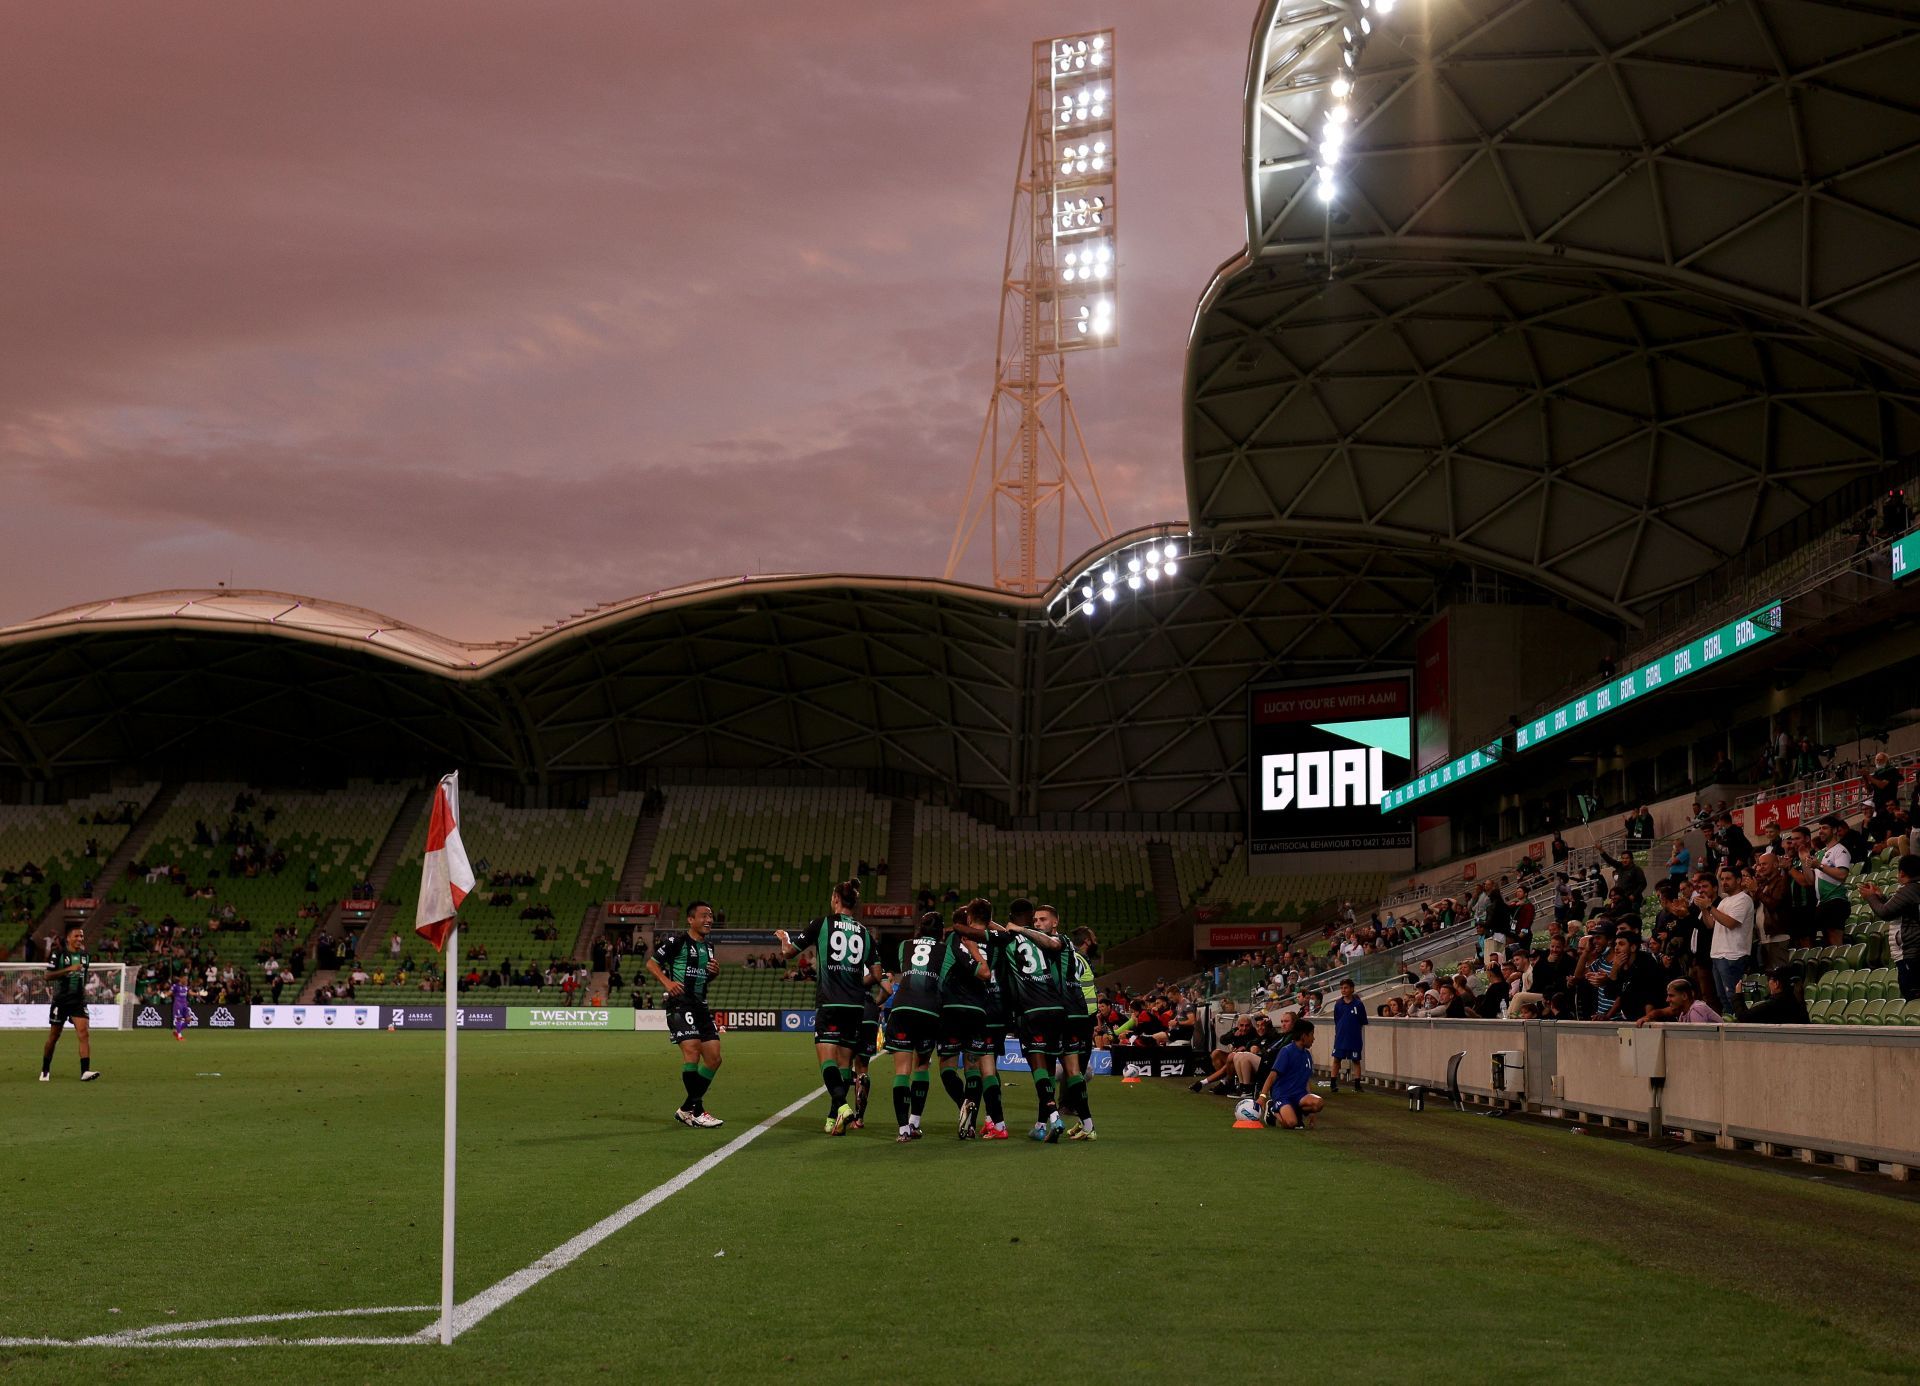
point(445, 878)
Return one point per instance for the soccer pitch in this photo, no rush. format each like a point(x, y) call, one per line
point(246, 1174)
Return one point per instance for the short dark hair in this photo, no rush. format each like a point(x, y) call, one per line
point(1910, 865)
point(71, 927)
point(1020, 909)
point(931, 924)
point(979, 910)
point(693, 905)
point(1302, 1029)
point(1083, 939)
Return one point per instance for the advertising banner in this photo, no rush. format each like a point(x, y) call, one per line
point(32, 1015)
point(321, 1019)
point(83, 902)
point(559, 1018)
point(158, 1015)
point(631, 909)
point(1240, 936)
point(1013, 1061)
point(886, 911)
point(792, 1022)
point(1163, 1063)
point(434, 1017)
point(1321, 756)
point(752, 938)
point(359, 906)
point(650, 1020)
point(1432, 709)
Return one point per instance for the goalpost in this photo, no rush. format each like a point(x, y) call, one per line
point(25, 996)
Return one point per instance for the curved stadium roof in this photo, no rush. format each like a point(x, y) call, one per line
point(1611, 292)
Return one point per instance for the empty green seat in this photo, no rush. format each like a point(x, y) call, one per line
point(1854, 1010)
point(1874, 1014)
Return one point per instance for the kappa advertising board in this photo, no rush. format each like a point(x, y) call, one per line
point(32, 1015)
point(1321, 756)
point(318, 1019)
point(158, 1015)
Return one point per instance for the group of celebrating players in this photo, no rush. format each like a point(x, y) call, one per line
point(960, 987)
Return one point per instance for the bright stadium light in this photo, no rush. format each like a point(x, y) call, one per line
point(1133, 565)
point(1168, 567)
point(1106, 593)
point(1134, 582)
point(1079, 103)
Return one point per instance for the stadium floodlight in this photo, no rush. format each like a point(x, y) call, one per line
point(1133, 565)
point(1168, 567)
point(1153, 573)
point(1134, 582)
point(1106, 593)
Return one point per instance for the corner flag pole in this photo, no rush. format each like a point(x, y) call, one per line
point(452, 1120)
point(446, 877)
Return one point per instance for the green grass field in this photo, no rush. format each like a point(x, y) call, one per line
point(1385, 1245)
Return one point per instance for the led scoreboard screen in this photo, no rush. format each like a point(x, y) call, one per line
point(1321, 756)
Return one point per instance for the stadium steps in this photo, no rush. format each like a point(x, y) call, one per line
point(900, 854)
point(593, 923)
point(633, 875)
point(1166, 881)
point(373, 938)
point(111, 870)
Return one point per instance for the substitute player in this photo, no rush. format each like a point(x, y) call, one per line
point(1284, 1096)
point(1033, 995)
point(845, 965)
point(914, 1022)
point(683, 963)
point(1349, 1024)
point(67, 978)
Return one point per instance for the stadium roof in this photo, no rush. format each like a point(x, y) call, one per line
point(1607, 290)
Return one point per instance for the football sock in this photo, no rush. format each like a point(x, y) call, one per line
point(900, 1099)
point(85, 1064)
point(830, 1079)
point(704, 1077)
point(990, 1089)
point(1075, 1096)
point(957, 1088)
point(1043, 1090)
point(973, 1085)
point(920, 1086)
point(861, 1087)
point(46, 1063)
point(689, 1075)
point(846, 1085)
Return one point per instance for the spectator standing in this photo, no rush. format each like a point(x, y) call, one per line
point(1830, 878)
point(1628, 878)
point(1901, 911)
point(1731, 914)
point(1883, 781)
point(1349, 1023)
point(1639, 827)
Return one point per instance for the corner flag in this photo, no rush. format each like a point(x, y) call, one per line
point(445, 877)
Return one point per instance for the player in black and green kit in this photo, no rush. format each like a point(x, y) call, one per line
point(913, 1022)
point(1076, 976)
point(972, 1021)
point(67, 979)
point(1034, 994)
point(845, 962)
point(683, 963)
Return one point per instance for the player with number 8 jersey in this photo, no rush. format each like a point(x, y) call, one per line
point(846, 965)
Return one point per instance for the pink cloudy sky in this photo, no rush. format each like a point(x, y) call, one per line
point(477, 312)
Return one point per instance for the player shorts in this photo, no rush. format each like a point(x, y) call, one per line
point(65, 1009)
point(1076, 1036)
point(912, 1032)
point(1339, 1054)
point(689, 1019)
point(1040, 1033)
point(869, 1040)
point(839, 1025)
point(994, 1039)
point(963, 1030)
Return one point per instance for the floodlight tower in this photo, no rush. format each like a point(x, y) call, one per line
point(1057, 297)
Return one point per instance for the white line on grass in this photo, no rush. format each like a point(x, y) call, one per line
point(465, 1315)
point(497, 1296)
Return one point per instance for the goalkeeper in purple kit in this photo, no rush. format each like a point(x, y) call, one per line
point(182, 1009)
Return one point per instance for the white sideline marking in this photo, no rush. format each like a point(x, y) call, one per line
point(497, 1296)
point(465, 1315)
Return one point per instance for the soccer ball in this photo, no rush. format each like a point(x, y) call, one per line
point(1246, 1109)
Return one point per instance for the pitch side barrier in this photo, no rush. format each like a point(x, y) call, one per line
point(1840, 1092)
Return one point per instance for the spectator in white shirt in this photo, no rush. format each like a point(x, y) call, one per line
point(1732, 918)
point(1830, 879)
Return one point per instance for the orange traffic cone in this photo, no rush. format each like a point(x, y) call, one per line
point(1244, 1125)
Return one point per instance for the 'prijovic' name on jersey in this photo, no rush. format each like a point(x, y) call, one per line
point(1030, 982)
point(960, 983)
point(921, 961)
point(684, 959)
point(73, 986)
point(843, 952)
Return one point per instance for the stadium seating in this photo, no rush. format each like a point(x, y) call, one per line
point(1102, 880)
point(574, 855)
point(767, 856)
point(1245, 898)
point(329, 839)
point(54, 837)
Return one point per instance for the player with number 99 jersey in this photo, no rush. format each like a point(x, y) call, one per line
point(843, 958)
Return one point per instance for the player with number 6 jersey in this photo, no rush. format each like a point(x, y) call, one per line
point(846, 965)
point(683, 963)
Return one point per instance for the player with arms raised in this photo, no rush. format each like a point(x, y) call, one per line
point(683, 964)
point(845, 964)
point(67, 979)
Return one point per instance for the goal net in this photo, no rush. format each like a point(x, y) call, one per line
point(25, 995)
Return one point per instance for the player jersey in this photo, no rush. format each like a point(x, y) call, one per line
point(179, 996)
point(1030, 977)
point(1000, 994)
point(1076, 979)
point(684, 959)
point(73, 986)
point(843, 951)
point(922, 960)
point(960, 983)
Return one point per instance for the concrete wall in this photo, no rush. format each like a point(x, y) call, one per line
point(1839, 1090)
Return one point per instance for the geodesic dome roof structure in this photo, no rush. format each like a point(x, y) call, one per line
point(1603, 290)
